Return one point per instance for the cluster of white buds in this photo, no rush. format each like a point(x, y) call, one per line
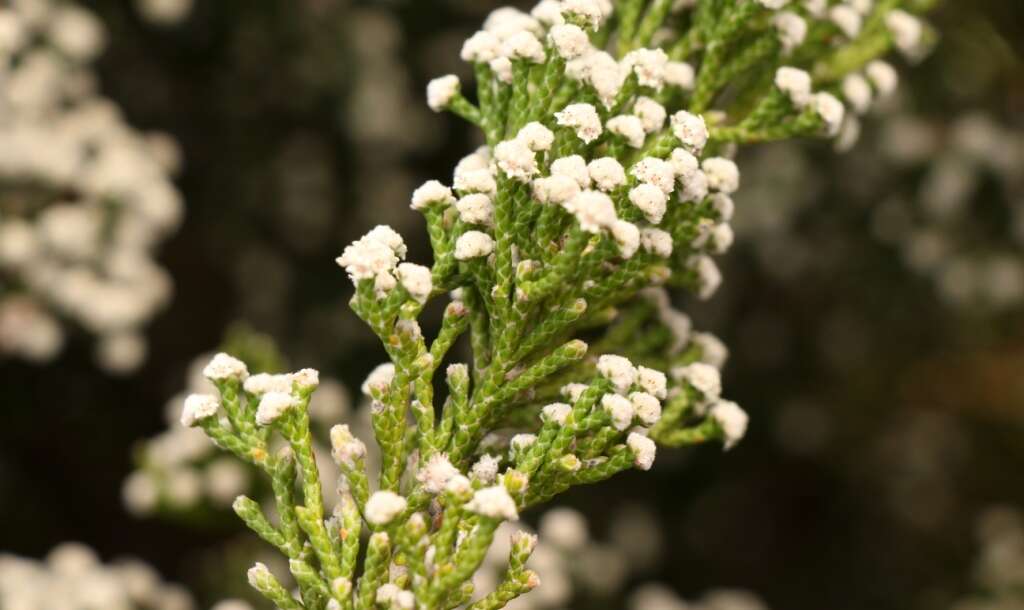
point(607, 173)
point(85, 199)
point(72, 576)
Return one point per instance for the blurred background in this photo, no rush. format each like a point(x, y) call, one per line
point(873, 305)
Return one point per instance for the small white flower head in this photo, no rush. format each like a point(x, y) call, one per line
point(197, 408)
point(556, 412)
point(607, 173)
point(883, 76)
point(849, 134)
point(709, 277)
point(906, 31)
point(272, 406)
point(620, 371)
point(647, 407)
point(536, 136)
point(795, 83)
point(573, 391)
point(548, 12)
point(380, 378)
point(604, 74)
point(773, 5)
point(458, 485)
point(620, 409)
point(475, 181)
point(712, 350)
point(436, 473)
point(816, 8)
point(507, 21)
point(383, 507)
point(502, 68)
point(262, 383)
point(365, 258)
point(556, 189)
point(493, 502)
point(223, 367)
point(482, 47)
point(659, 172)
point(683, 163)
point(405, 600)
point(390, 238)
point(258, 574)
point(721, 238)
point(857, 92)
point(485, 469)
point(430, 194)
point(724, 206)
point(847, 19)
point(723, 174)
point(680, 74)
point(691, 130)
point(593, 210)
point(792, 30)
point(583, 119)
point(476, 209)
point(306, 379)
point(732, 419)
point(648, 65)
point(656, 242)
point(630, 128)
point(417, 280)
point(570, 41)
point(650, 200)
point(441, 91)
point(473, 244)
point(693, 186)
point(516, 159)
point(627, 236)
point(831, 111)
point(522, 442)
point(864, 7)
point(652, 114)
point(652, 381)
point(387, 593)
point(524, 46)
point(588, 12)
point(346, 448)
point(703, 377)
point(643, 450)
point(574, 167)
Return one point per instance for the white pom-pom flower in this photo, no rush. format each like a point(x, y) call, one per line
point(574, 167)
point(607, 173)
point(792, 30)
point(593, 210)
point(473, 244)
point(493, 502)
point(383, 507)
point(627, 236)
point(516, 159)
point(723, 174)
point(703, 377)
point(197, 408)
point(643, 448)
point(656, 242)
point(536, 136)
point(223, 367)
point(652, 381)
point(556, 412)
point(617, 369)
point(691, 130)
point(652, 114)
point(732, 419)
point(648, 65)
point(272, 406)
point(795, 83)
point(650, 200)
point(434, 476)
point(476, 209)
point(857, 92)
point(680, 74)
point(883, 77)
point(620, 409)
point(847, 19)
point(570, 41)
point(441, 91)
point(659, 172)
point(583, 119)
point(431, 193)
point(647, 407)
point(416, 279)
point(630, 128)
point(906, 31)
point(831, 111)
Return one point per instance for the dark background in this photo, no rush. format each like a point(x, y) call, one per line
point(265, 100)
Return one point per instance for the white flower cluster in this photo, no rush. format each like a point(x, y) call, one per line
point(85, 199)
point(179, 469)
point(72, 576)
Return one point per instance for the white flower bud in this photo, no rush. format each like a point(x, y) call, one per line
point(708, 276)
point(583, 119)
point(197, 408)
point(652, 381)
point(792, 30)
point(556, 412)
point(473, 244)
point(724, 206)
point(648, 65)
point(482, 47)
point(652, 170)
point(732, 419)
point(607, 173)
point(379, 377)
point(441, 91)
point(223, 367)
point(713, 351)
point(656, 242)
point(831, 111)
point(555, 189)
point(548, 12)
point(629, 128)
point(857, 92)
point(647, 407)
point(493, 502)
point(691, 130)
point(502, 68)
point(431, 193)
point(589, 11)
point(570, 41)
point(643, 450)
point(262, 383)
point(703, 377)
point(536, 136)
point(650, 200)
point(346, 448)
point(627, 236)
point(574, 167)
point(485, 469)
point(383, 507)
point(883, 76)
point(436, 473)
point(795, 83)
point(476, 209)
point(593, 210)
point(306, 379)
point(516, 159)
point(652, 114)
point(521, 442)
point(906, 31)
point(620, 371)
point(524, 46)
point(680, 74)
point(573, 391)
point(417, 280)
point(723, 175)
point(848, 20)
point(620, 409)
point(272, 406)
